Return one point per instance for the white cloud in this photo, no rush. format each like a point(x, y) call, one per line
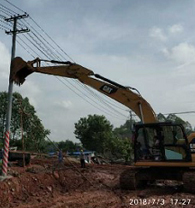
point(4, 67)
point(65, 104)
point(183, 53)
point(31, 90)
point(5, 61)
point(157, 33)
point(177, 28)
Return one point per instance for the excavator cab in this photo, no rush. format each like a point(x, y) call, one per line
point(161, 142)
point(161, 152)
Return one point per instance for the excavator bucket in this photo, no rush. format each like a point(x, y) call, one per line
point(20, 70)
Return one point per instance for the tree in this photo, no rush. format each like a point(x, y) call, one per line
point(67, 146)
point(3, 104)
point(119, 148)
point(94, 132)
point(124, 130)
point(123, 143)
point(176, 119)
point(34, 132)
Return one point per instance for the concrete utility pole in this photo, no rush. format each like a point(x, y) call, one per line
point(22, 113)
point(130, 119)
point(14, 32)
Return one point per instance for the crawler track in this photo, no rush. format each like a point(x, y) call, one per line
point(189, 181)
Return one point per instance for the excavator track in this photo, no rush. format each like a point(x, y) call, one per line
point(129, 180)
point(189, 181)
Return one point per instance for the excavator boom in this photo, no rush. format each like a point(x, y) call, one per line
point(21, 69)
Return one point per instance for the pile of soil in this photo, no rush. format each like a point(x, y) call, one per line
point(47, 184)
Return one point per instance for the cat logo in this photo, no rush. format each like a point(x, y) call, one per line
point(108, 89)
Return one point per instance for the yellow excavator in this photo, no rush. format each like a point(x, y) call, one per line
point(162, 151)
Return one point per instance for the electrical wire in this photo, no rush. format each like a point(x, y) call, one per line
point(25, 49)
point(187, 112)
point(5, 12)
point(13, 12)
point(52, 40)
point(86, 99)
point(40, 44)
point(2, 27)
point(95, 95)
point(2, 16)
point(83, 97)
point(71, 83)
point(14, 6)
point(6, 23)
point(98, 104)
point(80, 90)
point(6, 28)
point(47, 42)
point(42, 52)
point(103, 97)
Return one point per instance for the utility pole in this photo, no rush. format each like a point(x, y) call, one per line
point(14, 32)
point(22, 113)
point(130, 119)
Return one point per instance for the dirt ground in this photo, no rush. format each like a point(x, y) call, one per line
point(46, 184)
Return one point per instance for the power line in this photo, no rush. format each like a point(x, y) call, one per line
point(86, 99)
point(15, 6)
point(5, 12)
point(44, 39)
point(4, 27)
point(95, 95)
point(6, 23)
point(106, 106)
point(36, 46)
point(48, 50)
point(2, 16)
point(25, 48)
point(45, 51)
point(41, 29)
point(186, 112)
point(8, 9)
point(52, 39)
point(74, 87)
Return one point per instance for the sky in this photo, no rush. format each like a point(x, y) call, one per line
point(149, 45)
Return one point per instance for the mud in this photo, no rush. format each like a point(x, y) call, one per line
point(47, 184)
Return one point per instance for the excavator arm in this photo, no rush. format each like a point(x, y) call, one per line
point(124, 95)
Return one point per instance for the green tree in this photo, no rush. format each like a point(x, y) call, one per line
point(176, 119)
point(67, 146)
point(3, 104)
point(94, 132)
point(23, 115)
point(124, 130)
point(119, 148)
point(123, 141)
point(161, 117)
point(97, 134)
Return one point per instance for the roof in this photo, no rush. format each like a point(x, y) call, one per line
point(78, 153)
